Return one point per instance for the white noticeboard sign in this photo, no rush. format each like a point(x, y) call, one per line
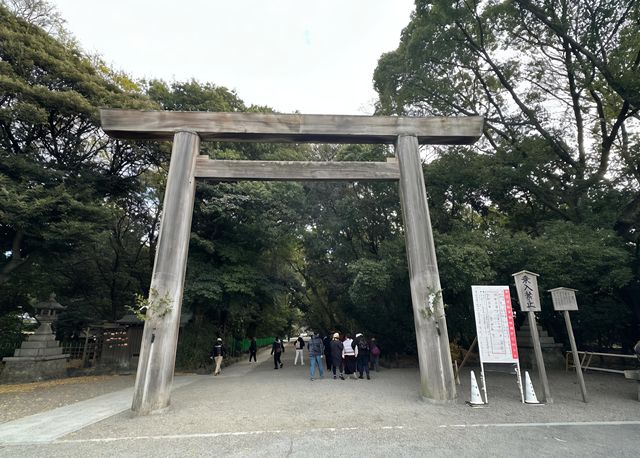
point(564, 299)
point(495, 330)
point(494, 324)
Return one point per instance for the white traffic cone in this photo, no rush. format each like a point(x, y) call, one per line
point(476, 398)
point(529, 394)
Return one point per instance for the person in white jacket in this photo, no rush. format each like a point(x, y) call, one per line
point(349, 354)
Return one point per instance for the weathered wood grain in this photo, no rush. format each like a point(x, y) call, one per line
point(537, 350)
point(576, 358)
point(436, 372)
point(290, 128)
point(160, 336)
point(225, 170)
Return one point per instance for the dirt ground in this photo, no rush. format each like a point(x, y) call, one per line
point(19, 400)
point(254, 410)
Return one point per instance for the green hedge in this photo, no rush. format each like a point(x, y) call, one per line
point(196, 343)
point(242, 346)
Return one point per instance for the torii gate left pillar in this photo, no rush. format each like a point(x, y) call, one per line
point(160, 337)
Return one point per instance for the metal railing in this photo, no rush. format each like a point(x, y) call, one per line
point(587, 361)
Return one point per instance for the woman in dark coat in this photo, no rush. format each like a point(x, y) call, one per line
point(276, 350)
point(327, 351)
point(253, 350)
point(362, 358)
point(336, 355)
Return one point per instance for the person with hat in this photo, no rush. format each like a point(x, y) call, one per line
point(218, 354)
point(337, 348)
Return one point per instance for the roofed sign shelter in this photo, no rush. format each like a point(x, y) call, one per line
point(188, 129)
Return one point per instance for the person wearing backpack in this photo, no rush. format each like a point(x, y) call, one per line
point(349, 356)
point(362, 358)
point(316, 353)
point(299, 346)
point(276, 350)
point(375, 355)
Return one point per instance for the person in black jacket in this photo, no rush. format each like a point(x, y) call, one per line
point(253, 350)
point(218, 354)
point(362, 358)
point(327, 351)
point(316, 350)
point(337, 348)
point(276, 350)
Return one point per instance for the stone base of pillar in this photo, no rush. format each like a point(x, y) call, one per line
point(26, 369)
point(552, 357)
point(551, 351)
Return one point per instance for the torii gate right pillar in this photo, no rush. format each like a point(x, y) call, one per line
point(436, 372)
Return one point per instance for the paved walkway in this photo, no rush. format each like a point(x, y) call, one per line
point(254, 410)
point(53, 424)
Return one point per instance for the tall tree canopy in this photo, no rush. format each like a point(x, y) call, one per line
point(65, 187)
point(552, 186)
point(557, 84)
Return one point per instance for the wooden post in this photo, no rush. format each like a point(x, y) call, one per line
point(542, 372)
point(436, 373)
point(576, 358)
point(469, 353)
point(85, 352)
point(159, 339)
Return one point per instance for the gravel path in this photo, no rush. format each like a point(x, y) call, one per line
point(24, 399)
point(253, 410)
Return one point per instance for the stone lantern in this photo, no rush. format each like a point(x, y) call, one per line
point(48, 310)
point(39, 357)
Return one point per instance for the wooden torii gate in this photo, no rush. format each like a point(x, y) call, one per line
point(186, 129)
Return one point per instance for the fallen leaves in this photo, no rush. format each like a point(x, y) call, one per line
point(27, 387)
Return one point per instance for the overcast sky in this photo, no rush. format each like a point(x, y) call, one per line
point(313, 56)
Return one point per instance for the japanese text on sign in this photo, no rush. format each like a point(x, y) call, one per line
point(528, 295)
point(494, 324)
point(564, 299)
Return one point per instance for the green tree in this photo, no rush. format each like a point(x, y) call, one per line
point(556, 83)
point(62, 181)
point(241, 273)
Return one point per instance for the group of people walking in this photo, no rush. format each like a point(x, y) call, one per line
point(344, 357)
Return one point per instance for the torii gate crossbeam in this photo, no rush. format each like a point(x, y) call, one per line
point(159, 341)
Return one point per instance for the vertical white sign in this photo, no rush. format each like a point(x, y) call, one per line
point(494, 324)
point(528, 295)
